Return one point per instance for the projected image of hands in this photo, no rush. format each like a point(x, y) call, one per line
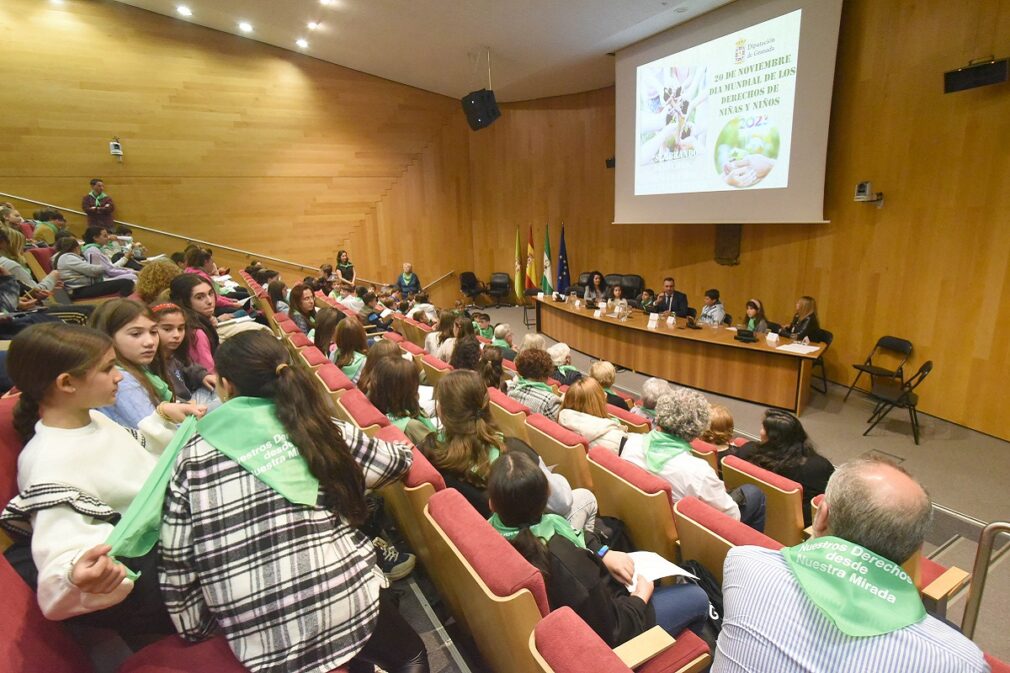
point(671, 113)
point(746, 150)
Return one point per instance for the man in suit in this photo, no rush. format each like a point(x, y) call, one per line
point(670, 301)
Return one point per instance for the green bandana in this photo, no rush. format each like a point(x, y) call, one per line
point(648, 413)
point(407, 278)
point(548, 526)
point(401, 421)
point(247, 430)
point(352, 369)
point(487, 333)
point(89, 246)
point(160, 387)
point(660, 448)
point(751, 324)
point(138, 531)
point(48, 225)
point(526, 383)
point(567, 370)
point(863, 594)
point(98, 197)
point(500, 343)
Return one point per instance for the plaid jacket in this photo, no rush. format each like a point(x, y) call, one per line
point(293, 588)
point(539, 401)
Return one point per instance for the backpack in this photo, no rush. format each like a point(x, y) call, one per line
point(712, 588)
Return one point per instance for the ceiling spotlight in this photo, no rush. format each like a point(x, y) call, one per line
point(313, 25)
point(302, 43)
point(327, 3)
point(245, 27)
point(183, 10)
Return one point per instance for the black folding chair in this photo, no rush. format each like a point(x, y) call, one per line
point(825, 337)
point(727, 319)
point(530, 307)
point(897, 345)
point(499, 287)
point(471, 287)
point(891, 393)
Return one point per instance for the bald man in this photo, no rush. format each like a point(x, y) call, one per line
point(840, 601)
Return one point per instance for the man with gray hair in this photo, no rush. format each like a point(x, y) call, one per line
point(503, 340)
point(652, 390)
point(841, 601)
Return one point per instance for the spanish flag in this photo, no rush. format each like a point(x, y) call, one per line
point(531, 265)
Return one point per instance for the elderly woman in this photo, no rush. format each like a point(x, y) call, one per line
point(564, 372)
point(531, 387)
point(681, 416)
point(652, 390)
point(606, 375)
point(532, 341)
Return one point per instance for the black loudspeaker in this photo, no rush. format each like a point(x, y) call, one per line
point(980, 74)
point(480, 108)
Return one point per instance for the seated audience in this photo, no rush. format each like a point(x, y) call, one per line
point(77, 475)
point(670, 301)
point(154, 280)
point(11, 218)
point(532, 340)
point(303, 308)
point(352, 346)
point(189, 381)
point(382, 349)
point(371, 315)
point(713, 312)
point(482, 325)
point(490, 368)
point(179, 259)
point(503, 340)
point(442, 332)
point(781, 608)
point(786, 449)
point(461, 327)
point(682, 415)
point(574, 573)
point(564, 373)
point(596, 290)
point(804, 324)
point(48, 224)
point(423, 308)
point(96, 240)
point(652, 390)
point(584, 410)
point(531, 388)
point(325, 335)
point(393, 391)
point(407, 283)
point(325, 279)
point(466, 354)
point(201, 263)
point(14, 263)
point(720, 427)
point(83, 279)
point(277, 295)
point(327, 604)
point(196, 297)
point(606, 374)
point(756, 321)
point(469, 442)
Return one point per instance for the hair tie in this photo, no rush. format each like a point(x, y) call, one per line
point(164, 307)
point(280, 368)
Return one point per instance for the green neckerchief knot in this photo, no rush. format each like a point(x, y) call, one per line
point(526, 383)
point(353, 368)
point(247, 430)
point(567, 370)
point(751, 324)
point(160, 387)
point(401, 421)
point(407, 278)
point(661, 447)
point(138, 530)
point(500, 343)
point(862, 593)
point(548, 526)
point(97, 197)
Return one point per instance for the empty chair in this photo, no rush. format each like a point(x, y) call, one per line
point(392, 336)
point(639, 498)
point(509, 415)
point(784, 504)
point(727, 319)
point(565, 451)
point(707, 535)
point(892, 346)
point(470, 287)
point(175, 655)
point(298, 340)
point(334, 380)
point(313, 357)
point(499, 287)
point(415, 351)
point(632, 285)
point(890, 393)
point(825, 337)
point(563, 643)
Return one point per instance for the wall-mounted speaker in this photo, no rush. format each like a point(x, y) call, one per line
point(976, 74)
point(481, 108)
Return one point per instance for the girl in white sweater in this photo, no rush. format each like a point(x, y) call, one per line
point(584, 410)
point(78, 472)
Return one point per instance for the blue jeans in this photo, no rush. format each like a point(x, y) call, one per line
point(752, 509)
point(680, 606)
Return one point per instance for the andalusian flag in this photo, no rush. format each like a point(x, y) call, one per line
point(517, 277)
point(545, 280)
point(531, 265)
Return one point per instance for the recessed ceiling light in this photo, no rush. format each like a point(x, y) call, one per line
point(245, 26)
point(326, 3)
point(313, 25)
point(302, 43)
point(183, 10)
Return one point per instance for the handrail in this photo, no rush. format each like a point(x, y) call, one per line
point(247, 253)
point(978, 575)
point(439, 279)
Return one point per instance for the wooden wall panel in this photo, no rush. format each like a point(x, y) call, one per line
point(931, 266)
point(231, 140)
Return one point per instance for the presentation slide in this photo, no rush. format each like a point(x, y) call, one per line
point(719, 116)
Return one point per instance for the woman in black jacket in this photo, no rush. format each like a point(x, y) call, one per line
point(804, 323)
point(578, 571)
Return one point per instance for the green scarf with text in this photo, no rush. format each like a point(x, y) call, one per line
point(548, 526)
point(660, 448)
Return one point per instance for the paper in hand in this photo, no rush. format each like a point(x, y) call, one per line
point(652, 566)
